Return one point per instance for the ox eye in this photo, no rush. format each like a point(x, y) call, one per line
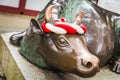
point(62, 42)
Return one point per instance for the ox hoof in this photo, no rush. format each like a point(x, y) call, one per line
point(15, 39)
point(115, 65)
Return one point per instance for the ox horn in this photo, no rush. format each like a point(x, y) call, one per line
point(48, 13)
point(78, 18)
point(48, 18)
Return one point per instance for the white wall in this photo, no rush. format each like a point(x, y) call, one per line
point(11, 3)
point(36, 4)
point(112, 5)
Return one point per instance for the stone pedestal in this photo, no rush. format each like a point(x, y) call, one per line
point(16, 67)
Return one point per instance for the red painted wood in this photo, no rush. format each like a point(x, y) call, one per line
point(9, 9)
point(31, 12)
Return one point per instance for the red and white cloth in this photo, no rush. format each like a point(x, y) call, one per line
point(62, 27)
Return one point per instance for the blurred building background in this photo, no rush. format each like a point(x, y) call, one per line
point(111, 5)
point(27, 7)
point(15, 15)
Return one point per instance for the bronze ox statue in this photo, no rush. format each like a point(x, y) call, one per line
point(81, 54)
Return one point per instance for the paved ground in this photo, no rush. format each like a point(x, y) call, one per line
point(12, 22)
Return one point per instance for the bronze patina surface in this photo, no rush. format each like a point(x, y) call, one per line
point(73, 53)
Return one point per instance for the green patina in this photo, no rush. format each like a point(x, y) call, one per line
point(30, 48)
point(117, 31)
point(117, 37)
point(72, 8)
point(69, 11)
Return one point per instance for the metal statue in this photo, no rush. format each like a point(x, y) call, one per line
point(75, 36)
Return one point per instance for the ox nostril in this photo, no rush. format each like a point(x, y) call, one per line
point(87, 67)
point(86, 64)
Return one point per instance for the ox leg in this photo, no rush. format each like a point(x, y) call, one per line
point(115, 65)
point(16, 39)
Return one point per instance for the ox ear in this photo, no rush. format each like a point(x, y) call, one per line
point(36, 27)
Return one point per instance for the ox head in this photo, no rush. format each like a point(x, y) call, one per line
point(66, 52)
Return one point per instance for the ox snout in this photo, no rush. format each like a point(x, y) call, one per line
point(87, 65)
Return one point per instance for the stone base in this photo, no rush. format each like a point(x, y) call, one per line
point(16, 67)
